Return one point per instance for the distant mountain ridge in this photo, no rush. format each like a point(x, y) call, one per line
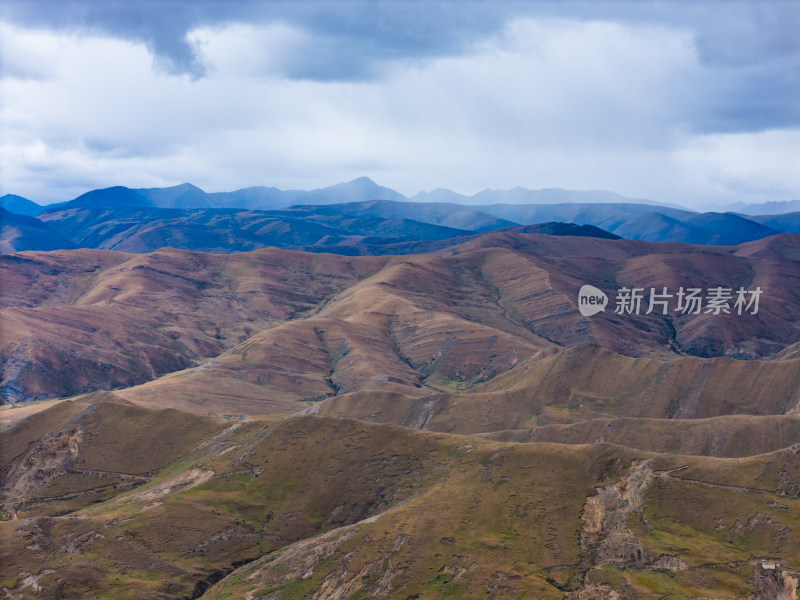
point(630, 220)
point(764, 208)
point(19, 205)
point(356, 218)
point(187, 195)
point(522, 195)
point(370, 228)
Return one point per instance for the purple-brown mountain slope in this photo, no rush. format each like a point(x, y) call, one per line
point(271, 329)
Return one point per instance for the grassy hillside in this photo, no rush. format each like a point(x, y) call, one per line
point(327, 504)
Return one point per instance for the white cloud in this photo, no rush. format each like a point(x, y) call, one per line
point(241, 50)
point(757, 166)
point(556, 103)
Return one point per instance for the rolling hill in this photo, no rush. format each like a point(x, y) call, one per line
point(418, 324)
point(313, 507)
point(278, 424)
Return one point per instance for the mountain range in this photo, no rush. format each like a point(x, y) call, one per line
point(355, 218)
point(377, 398)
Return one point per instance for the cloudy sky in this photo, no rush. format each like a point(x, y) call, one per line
point(694, 103)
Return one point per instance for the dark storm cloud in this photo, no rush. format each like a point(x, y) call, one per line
point(352, 36)
point(751, 48)
point(680, 101)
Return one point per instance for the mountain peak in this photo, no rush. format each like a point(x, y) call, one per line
point(363, 181)
point(183, 187)
point(358, 190)
point(19, 205)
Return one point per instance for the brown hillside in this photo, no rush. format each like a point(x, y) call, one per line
point(83, 320)
point(335, 504)
point(587, 382)
point(726, 437)
point(284, 327)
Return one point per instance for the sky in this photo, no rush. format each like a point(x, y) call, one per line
point(692, 103)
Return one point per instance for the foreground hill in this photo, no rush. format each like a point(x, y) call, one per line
point(320, 507)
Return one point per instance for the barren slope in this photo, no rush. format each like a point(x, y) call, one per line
point(284, 327)
point(83, 320)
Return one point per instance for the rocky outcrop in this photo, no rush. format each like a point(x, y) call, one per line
point(774, 582)
point(33, 470)
point(605, 533)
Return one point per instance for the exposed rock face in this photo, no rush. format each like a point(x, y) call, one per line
point(669, 563)
point(37, 467)
point(605, 531)
point(775, 584)
point(606, 538)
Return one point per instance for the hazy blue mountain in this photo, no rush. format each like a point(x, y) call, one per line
point(19, 205)
point(730, 229)
point(437, 213)
point(187, 195)
point(357, 190)
point(640, 221)
point(764, 208)
point(630, 220)
point(23, 232)
point(605, 216)
point(116, 196)
point(143, 229)
point(495, 216)
point(442, 195)
point(521, 195)
point(259, 197)
point(184, 195)
point(719, 229)
point(365, 217)
point(789, 222)
point(362, 189)
point(654, 226)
